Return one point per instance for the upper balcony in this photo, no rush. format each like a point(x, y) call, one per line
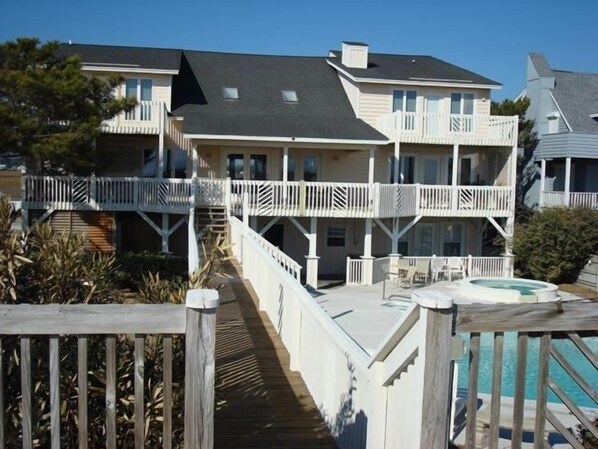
point(146, 118)
point(449, 129)
point(266, 198)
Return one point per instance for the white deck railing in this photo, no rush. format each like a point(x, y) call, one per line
point(358, 269)
point(576, 199)
point(114, 194)
point(145, 118)
point(374, 401)
point(284, 261)
point(266, 198)
point(421, 127)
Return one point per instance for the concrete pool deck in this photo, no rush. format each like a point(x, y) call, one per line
point(367, 318)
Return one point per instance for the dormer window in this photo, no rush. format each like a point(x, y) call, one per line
point(230, 93)
point(290, 96)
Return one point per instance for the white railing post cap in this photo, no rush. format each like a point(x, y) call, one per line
point(431, 299)
point(202, 299)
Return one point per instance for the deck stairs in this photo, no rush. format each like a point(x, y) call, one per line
point(211, 219)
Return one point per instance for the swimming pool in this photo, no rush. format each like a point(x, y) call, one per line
point(508, 290)
point(561, 378)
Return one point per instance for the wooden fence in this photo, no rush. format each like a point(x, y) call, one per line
point(547, 322)
point(196, 321)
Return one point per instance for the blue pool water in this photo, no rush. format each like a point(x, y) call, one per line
point(558, 374)
point(523, 286)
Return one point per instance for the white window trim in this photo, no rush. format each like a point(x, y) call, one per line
point(138, 97)
point(392, 98)
point(462, 102)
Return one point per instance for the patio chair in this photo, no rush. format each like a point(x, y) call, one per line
point(455, 266)
point(437, 264)
point(407, 276)
point(422, 269)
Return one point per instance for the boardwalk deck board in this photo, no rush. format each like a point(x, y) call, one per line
point(260, 403)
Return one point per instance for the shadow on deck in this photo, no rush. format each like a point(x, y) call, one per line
point(260, 403)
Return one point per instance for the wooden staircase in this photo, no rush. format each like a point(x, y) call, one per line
point(212, 219)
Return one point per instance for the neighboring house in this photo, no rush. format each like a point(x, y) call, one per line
point(564, 105)
point(349, 155)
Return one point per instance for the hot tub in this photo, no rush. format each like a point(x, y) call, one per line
point(508, 290)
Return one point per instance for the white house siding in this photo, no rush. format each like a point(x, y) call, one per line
point(161, 84)
point(375, 100)
point(352, 92)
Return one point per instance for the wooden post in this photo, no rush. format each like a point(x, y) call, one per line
point(454, 175)
point(200, 333)
point(371, 165)
point(437, 316)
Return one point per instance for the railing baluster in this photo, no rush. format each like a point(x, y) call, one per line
point(472, 390)
point(139, 398)
point(519, 397)
point(167, 409)
point(496, 390)
point(82, 387)
point(55, 391)
point(110, 392)
point(26, 392)
point(541, 392)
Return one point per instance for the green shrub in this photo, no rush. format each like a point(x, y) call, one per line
point(555, 244)
point(132, 267)
point(45, 267)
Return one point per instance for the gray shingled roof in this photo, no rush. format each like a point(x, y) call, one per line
point(411, 67)
point(323, 110)
point(136, 57)
point(577, 96)
point(541, 65)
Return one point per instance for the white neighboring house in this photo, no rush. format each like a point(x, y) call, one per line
point(342, 158)
point(564, 105)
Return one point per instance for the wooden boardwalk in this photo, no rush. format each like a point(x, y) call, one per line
point(260, 403)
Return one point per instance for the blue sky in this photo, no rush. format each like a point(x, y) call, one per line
point(491, 38)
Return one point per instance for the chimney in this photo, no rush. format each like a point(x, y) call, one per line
point(355, 55)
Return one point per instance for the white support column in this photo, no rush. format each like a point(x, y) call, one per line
point(195, 162)
point(285, 164)
point(285, 173)
point(371, 165)
point(161, 149)
point(542, 181)
point(368, 260)
point(454, 175)
point(311, 272)
point(567, 180)
point(395, 236)
point(397, 158)
point(165, 234)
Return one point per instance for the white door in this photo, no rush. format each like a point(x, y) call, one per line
point(424, 239)
point(432, 114)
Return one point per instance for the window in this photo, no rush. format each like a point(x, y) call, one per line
point(465, 171)
point(235, 166)
point(405, 101)
point(290, 169)
point(230, 93)
point(149, 163)
point(289, 96)
point(406, 170)
point(335, 236)
point(141, 90)
point(310, 168)
point(461, 104)
point(257, 167)
point(452, 237)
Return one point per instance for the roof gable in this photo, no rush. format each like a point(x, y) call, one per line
point(412, 68)
point(577, 97)
point(124, 57)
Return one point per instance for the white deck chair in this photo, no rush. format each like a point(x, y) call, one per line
point(437, 265)
point(455, 266)
point(422, 269)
